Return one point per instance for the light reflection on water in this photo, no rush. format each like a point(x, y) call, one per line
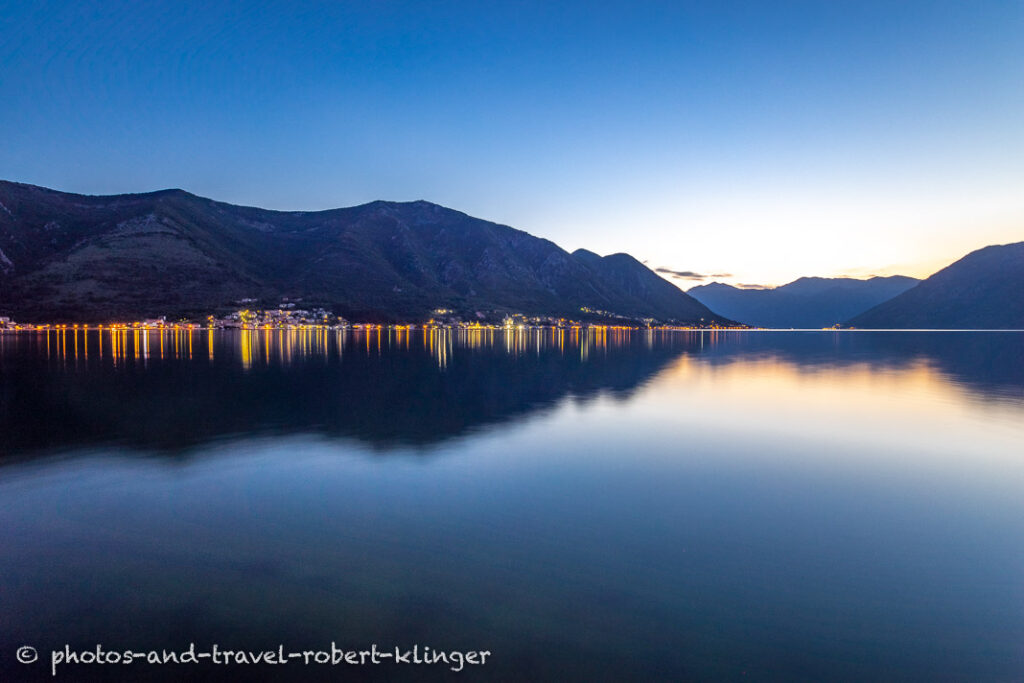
point(123, 346)
point(780, 506)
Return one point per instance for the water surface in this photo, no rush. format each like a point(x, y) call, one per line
point(586, 506)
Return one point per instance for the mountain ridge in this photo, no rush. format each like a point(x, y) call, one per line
point(982, 290)
point(71, 257)
point(807, 302)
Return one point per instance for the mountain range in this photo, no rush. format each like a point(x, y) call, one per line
point(73, 258)
point(807, 303)
point(77, 258)
point(983, 290)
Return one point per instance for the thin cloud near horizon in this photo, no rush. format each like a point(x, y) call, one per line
point(689, 274)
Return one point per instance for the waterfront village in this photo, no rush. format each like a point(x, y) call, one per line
point(288, 315)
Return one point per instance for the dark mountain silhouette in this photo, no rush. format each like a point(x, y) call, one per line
point(983, 290)
point(810, 302)
point(67, 257)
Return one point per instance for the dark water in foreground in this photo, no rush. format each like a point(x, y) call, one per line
point(677, 506)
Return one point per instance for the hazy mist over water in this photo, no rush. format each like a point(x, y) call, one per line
point(585, 505)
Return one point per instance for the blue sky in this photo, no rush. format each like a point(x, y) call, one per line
point(763, 141)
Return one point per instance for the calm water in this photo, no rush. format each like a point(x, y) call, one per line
point(678, 506)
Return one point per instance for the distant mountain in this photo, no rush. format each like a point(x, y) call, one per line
point(68, 257)
point(810, 302)
point(983, 290)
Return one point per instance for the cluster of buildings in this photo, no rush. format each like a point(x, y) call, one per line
point(285, 316)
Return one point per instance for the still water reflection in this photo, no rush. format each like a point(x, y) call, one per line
point(615, 505)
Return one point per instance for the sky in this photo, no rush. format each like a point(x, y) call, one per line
point(744, 142)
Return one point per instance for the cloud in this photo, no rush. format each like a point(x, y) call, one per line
point(746, 286)
point(858, 275)
point(689, 274)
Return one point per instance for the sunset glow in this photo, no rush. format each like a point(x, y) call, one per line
point(750, 140)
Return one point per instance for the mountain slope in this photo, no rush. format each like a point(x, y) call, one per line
point(809, 302)
point(73, 257)
point(638, 285)
point(983, 290)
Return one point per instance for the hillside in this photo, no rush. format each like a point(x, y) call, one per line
point(983, 290)
point(809, 302)
point(67, 257)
